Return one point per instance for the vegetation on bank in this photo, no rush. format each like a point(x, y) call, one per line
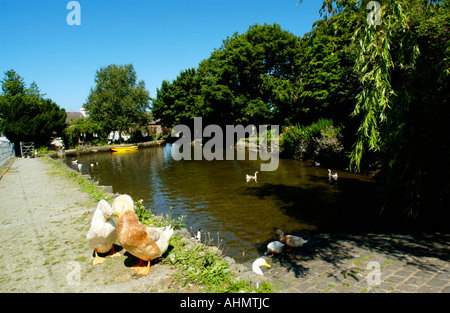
point(86, 185)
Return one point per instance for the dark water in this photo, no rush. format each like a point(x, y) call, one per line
point(241, 217)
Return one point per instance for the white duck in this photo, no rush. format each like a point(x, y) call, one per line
point(198, 237)
point(275, 247)
point(102, 234)
point(291, 240)
point(249, 177)
point(257, 264)
point(332, 176)
point(146, 243)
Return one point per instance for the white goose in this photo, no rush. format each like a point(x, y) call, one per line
point(102, 234)
point(332, 176)
point(249, 177)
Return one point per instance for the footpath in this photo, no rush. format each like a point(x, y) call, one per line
point(44, 219)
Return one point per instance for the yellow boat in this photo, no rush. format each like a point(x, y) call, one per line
point(124, 149)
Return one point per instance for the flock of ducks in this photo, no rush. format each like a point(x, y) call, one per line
point(149, 243)
point(332, 177)
point(80, 166)
point(144, 242)
point(276, 247)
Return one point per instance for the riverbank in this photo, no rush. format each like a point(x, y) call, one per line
point(95, 149)
point(45, 216)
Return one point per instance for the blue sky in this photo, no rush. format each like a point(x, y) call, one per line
point(159, 37)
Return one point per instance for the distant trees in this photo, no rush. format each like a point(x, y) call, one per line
point(118, 102)
point(25, 115)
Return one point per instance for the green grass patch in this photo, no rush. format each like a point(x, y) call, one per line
point(85, 184)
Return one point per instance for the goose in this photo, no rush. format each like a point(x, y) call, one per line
point(316, 164)
point(80, 167)
point(275, 247)
point(75, 162)
point(332, 176)
point(249, 177)
point(257, 264)
point(144, 242)
point(102, 234)
point(291, 240)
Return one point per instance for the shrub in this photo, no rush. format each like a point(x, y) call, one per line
point(329, 140)
point(290, 139)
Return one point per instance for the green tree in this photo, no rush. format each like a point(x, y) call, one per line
point(178, 102)
point(25, 115)
point(404, 68)
point(119, 101)
point(251, 78)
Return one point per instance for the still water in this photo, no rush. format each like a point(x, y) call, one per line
point(240, 217)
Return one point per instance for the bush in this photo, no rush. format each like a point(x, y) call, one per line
point(291, 138)
point(319, 141)
point(329, 140)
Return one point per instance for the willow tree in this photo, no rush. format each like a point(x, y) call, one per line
point(403, 64)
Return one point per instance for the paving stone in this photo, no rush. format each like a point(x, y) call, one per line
point(437, 282)
point(415, 281)
point(428, 289)
point(404, 273)
point(405, 267)
point(396, 279)
point(406, 288)
point(424, 274)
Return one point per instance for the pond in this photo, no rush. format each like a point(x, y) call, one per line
point(239, 217)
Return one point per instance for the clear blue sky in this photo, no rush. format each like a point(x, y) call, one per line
point(159, 37)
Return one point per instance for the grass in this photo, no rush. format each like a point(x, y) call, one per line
point(85, 184)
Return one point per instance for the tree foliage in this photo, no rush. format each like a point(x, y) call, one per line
point(25, 115)
point(118, 102)
point(251, 78)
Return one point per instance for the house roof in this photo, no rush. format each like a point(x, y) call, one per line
point(73, 115)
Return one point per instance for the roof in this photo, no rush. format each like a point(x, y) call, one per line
point(73, 115)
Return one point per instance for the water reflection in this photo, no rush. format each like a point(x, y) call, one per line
point(214, 196)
